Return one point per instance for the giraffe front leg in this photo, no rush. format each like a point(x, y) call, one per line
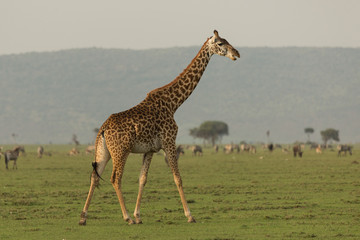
point(178, 182)
point(142, 181)
point(117, 187)
point(177, 178)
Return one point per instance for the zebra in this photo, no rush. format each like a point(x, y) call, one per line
point(196, 150)
point(13, 155)
point(344, 148)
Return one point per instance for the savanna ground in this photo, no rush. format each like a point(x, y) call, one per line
point(235, 196)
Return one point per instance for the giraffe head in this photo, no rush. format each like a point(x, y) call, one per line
point(222, 47)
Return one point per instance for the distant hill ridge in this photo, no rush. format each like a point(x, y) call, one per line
point(47, 97)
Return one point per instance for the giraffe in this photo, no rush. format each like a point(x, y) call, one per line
point(148, 127)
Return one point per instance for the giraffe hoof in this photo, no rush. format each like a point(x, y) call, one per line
point(138, 221)
point(82, 222)
point(130, 221)
point(191, 220)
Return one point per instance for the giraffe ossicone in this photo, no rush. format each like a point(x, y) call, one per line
point(150, 126)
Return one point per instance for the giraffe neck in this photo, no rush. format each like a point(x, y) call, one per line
point(176, 92)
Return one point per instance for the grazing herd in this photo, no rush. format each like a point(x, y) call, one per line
point(196, 150)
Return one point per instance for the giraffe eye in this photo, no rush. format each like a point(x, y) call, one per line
point(220, 44)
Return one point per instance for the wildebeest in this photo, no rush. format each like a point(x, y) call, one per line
point(196, 150)
point(344, 148)
point(270, 147)
point(297, 150)
point(13, 155)
point(179, 151)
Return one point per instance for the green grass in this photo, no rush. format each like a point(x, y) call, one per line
point(235, 196)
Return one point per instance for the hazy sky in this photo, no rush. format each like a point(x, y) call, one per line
point(45, 25)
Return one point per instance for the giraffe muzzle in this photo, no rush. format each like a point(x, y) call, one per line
point(232, 54)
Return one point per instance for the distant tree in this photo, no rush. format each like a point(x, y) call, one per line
point(74, 139)
point(329, 134)
point(268, 135)
point(14, 136)
point(308, 131)
point(211, 131)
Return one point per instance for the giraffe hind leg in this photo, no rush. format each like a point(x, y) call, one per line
point(102, 156)
point(117, 173)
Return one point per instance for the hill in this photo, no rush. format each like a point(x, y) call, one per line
point(48, 96)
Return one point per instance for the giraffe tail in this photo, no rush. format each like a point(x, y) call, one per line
point(94, 165)
point(102, 155)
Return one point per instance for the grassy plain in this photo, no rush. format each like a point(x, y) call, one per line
point(235, 196)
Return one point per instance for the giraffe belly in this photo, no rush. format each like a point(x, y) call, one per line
point(144, 147)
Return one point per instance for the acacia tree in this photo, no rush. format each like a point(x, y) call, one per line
point(74, 139)
point(308, 131)
point(211, 131)
point(329, 134)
